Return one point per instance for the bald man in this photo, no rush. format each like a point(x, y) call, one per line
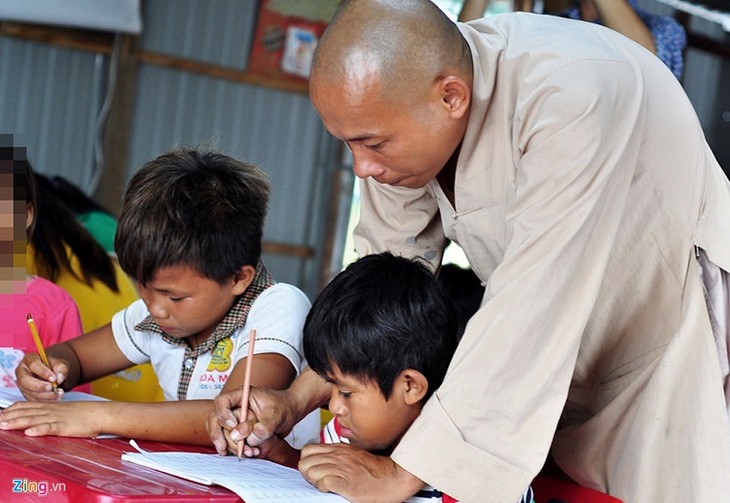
point(569, 165)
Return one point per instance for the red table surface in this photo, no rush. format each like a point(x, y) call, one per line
point(91, 470)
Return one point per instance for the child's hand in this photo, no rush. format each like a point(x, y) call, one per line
point(66, 419)
point(35, 379)
point(275, 449)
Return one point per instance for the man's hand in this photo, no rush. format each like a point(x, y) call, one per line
point(270, 412)
point(356, 474)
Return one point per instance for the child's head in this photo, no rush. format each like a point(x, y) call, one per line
point(15, 214)
point(192, 208)
point(383, 333)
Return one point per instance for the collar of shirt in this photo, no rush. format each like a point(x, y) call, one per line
point(234, 319)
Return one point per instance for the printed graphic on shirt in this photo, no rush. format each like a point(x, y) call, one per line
point(221, 356)
point(216, 372)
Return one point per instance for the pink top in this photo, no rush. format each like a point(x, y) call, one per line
point(54, 312)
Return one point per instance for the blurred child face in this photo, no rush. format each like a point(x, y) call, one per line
point(368, 420)
point(184, 303)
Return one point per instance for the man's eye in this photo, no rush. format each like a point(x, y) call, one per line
point(345, 394)
point(176, 299)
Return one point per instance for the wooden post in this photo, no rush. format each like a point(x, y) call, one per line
point(117, 133)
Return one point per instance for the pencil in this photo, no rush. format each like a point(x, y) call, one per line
point(39, 345)
point(246, 386)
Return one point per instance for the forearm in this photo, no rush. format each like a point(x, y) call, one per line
point(180, 422)
point(472, 9)
point(621, 17)
point(308, 392)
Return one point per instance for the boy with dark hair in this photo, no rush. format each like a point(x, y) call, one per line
point(382, 333)
point(190, 233)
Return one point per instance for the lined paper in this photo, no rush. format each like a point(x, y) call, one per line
point(254, 480)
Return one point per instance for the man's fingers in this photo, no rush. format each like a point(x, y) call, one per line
point(224, 405)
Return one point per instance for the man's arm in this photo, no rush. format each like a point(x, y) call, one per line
point(402, 221)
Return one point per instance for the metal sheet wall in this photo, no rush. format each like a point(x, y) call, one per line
point(50, 98)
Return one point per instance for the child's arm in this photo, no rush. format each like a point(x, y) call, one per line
point(74, 362)
point(179, 421)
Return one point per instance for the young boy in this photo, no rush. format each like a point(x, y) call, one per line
point(382, 333)
point(190, 233)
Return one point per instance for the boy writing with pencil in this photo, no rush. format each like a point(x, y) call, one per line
point(190, 232)
point(382, 333)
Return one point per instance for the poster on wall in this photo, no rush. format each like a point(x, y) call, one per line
point(286, 35)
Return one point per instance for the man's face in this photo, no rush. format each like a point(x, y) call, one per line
point(402, 143)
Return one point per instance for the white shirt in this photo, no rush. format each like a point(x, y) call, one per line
point(277, 314)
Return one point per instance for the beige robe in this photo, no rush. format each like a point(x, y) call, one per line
point(583, 185)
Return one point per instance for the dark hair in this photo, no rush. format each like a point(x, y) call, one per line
point(55, 228)
point(380, 316)
point(465, 290)
point(190, 207)
point(73, 197)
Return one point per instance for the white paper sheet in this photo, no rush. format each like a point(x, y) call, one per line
point(8, 396)
point(254, 480)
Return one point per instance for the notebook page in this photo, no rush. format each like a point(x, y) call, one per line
point(8, 396)
point(254, 480)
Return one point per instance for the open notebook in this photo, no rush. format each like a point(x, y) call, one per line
point(254, 480)
point(8, 396)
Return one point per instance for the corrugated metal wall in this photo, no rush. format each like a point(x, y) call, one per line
point(50, 98)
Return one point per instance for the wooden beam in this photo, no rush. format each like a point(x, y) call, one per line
point(287, 249)
point(190, 65)
point(87, 40)
point(72, 38)
point(117, 131)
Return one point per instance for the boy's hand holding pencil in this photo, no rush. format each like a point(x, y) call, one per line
point(36, 377)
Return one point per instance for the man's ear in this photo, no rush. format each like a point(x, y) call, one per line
point(242, 279)
point(413, 384)
point(455, 95)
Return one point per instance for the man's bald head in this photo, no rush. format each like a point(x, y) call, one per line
point(404, 44)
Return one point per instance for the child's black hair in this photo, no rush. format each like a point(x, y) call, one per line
point(55, 229)
point(196, 208)
point(382, 315)
point(73, 197)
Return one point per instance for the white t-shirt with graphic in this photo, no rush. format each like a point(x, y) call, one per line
point(277, 315)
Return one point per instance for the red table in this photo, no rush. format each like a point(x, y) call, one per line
point(91, 470)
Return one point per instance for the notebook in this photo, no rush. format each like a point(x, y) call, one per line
point(8, 396)
point(254, 480)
